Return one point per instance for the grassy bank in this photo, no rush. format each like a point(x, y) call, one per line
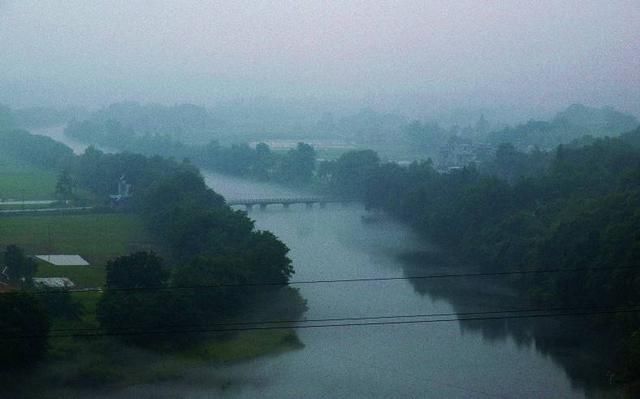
point(80, 366)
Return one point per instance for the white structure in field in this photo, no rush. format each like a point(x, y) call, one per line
point(53, 282)
point(124, 190)
point(64, 260)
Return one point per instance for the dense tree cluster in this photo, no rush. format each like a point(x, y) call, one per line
point(294, 167)
point(19, 269)
point(210, 245)
point(24, 326)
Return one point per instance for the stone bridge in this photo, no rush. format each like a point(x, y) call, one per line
point(249, 203)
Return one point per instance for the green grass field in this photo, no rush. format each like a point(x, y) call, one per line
point(96, 237)
point(21, 180)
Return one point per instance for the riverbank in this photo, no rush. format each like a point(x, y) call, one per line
point(87, 367)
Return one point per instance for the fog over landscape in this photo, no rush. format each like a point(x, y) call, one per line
point(413, 57)
point(313, 198)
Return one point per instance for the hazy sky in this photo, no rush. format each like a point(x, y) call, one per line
point(443, 53)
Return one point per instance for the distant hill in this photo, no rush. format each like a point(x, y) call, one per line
point(570, 125)
point(606, 120)
point(236, 121)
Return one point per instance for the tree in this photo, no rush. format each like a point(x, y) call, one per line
point(23, 330)
point(20, 268)
point(218, 277)
point(263, 162)
point(141, 311)
point(144, 310)
point(353, 170)
point(59, 304)
point(64, 186)
point(138, 270)
point(427, 136)
point(296, 167)
point(267, 256)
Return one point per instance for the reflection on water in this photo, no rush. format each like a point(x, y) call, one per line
point(565, 339)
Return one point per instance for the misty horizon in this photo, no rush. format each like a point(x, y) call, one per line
point(359, 199)
point(420, 60)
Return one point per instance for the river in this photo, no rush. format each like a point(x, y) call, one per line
point(433, 360)
point(57, 133)
point(480, 359)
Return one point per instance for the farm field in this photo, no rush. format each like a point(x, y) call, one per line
point(97, 237)
point(19, 180)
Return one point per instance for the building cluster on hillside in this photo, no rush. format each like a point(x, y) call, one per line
point(460, 152)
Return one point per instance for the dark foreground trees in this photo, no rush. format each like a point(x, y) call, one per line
point(147, 305)
point(23, 330)
point(20, 269)
point(213, 251)
point(138, 270)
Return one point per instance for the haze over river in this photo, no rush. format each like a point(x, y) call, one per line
point(473, 359)
point(431, 360)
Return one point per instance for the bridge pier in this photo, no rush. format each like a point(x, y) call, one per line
point(248, 207)
point(285, 205)
point(309, 205)
point(323, 205)
point(263, 206)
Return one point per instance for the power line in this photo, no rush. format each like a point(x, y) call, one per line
point(331, 325)
point(346, 280)
point(385, 317)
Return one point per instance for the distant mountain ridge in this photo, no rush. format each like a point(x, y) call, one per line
point(574, 123)
point(604, 119)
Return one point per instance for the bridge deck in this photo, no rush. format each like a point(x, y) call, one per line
point(286, 201)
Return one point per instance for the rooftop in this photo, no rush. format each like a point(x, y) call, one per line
point(64, 260)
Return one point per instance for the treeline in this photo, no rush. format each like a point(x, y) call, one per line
point(576, 208)
point(37, 150)
point(294, 167)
